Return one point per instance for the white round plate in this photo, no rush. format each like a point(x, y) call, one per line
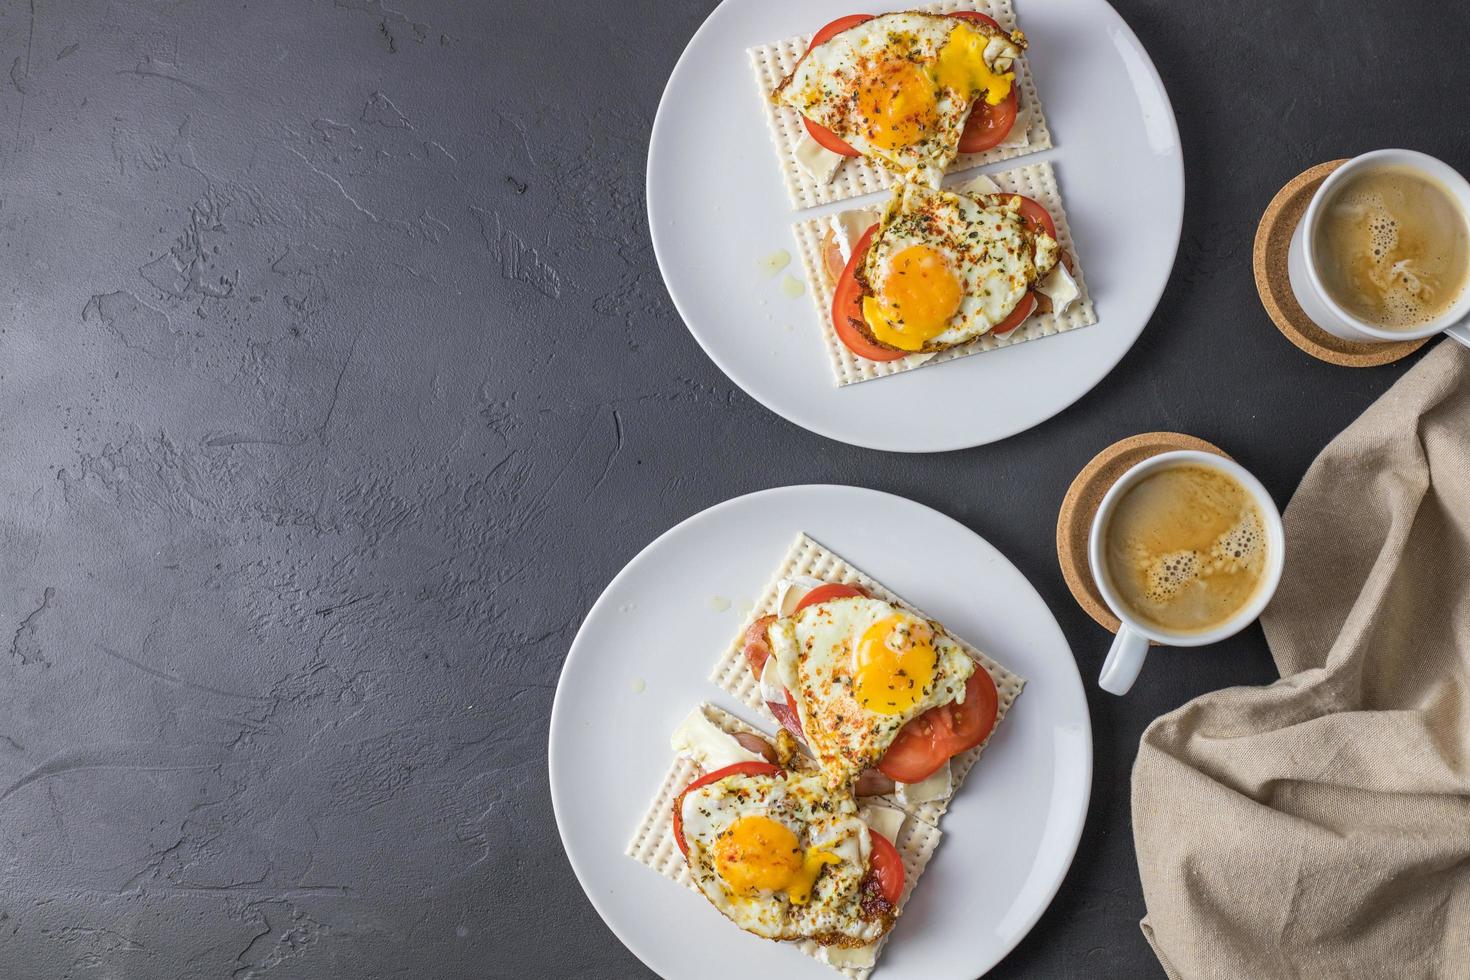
point(717, 205)
point(1013, 828)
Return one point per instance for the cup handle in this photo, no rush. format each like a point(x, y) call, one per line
point(1125, 660)
point(1460, 331)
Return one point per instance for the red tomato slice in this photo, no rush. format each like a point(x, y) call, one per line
point(1023, 309)
point(818, 132)
point(847, 308)
point(885, 865)
point(827, 138)
point(738, 769)
point(1034, 214)
point(757, 648)
point(918, 750)
point(988, 124)
point(972, 722)
point(837, 27)
point(930, 740)
point(824, 593)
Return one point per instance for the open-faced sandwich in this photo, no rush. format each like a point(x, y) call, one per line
point(907, 90)
point(909, 95)
point(886, 700)
point(763, 836)
point(940, 269)
point(936, 275)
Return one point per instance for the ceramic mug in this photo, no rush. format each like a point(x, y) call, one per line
point(1130, 646)
point(1302, 262)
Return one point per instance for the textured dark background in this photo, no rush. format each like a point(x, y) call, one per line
point(338, 378)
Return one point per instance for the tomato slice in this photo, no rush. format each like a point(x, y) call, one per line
point(847, 308)
point(1023, 309)
point(989, 125)
point(1034, 214)
point(972, 722)
point(886, 866)
point(828, 139)
point(825, 593)
point(930, 740)
point(818, 132)
point(738, 769)
point(918, 750)
point(757, 648)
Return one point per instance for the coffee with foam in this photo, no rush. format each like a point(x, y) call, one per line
point(1186, 548)
point(1393, 248)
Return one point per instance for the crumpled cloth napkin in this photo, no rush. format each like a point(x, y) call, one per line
point(1320, 827)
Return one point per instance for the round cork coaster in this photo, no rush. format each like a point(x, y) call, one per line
point(1273, 282)
point(1074, 523)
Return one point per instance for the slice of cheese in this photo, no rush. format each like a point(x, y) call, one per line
point(818, 161)
point(980, 184)
point(886, 820)
point(792, 591)
point(702, 741)
point(1060, 288)
point(850, 226)
point(936, 787)
point(856, 958)
point(773, 690)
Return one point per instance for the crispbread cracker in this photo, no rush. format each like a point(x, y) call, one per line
point(1037, 181)
point(653, 842)
point(856, 176)
point(806, 557)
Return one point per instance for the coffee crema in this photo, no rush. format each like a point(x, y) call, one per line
point(1392, 247)
point(1186, 548)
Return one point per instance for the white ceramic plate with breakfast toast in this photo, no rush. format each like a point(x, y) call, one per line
point(643, 657)
point(730, 199)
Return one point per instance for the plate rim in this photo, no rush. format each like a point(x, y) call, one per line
point(826, 430)
point(1089, 757)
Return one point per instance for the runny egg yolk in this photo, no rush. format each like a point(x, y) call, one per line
point(916, 300)
point(898, 102)
point(895, 665)
point(758, 854)
point(961, 66)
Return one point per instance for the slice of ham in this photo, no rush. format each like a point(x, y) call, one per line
point(872, 783)
point(754, 743)
point(757, 649)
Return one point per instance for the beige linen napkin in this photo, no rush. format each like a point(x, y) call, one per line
point(1320, 827)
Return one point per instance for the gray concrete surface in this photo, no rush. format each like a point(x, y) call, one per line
point(336, 379)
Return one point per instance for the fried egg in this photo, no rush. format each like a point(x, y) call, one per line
point(861, 669)
point(784, 858)
point(946, 268)
point(899, 88)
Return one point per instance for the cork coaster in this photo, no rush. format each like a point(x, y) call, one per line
point(1074, 522)
point(1273, 282)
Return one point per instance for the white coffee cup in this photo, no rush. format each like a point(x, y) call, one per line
point(1130, 646)
point(1302, 262)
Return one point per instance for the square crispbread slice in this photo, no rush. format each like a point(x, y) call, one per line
point(653, 842)
point(1037, 181)
point(857, 176)
point(808, 558)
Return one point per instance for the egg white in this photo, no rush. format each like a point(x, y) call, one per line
point(820, 820)
point(985, 244)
